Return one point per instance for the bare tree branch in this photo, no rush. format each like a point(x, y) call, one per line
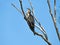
point(53, 17)
point(41, 29)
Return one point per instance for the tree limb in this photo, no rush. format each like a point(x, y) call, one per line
point(53, 17)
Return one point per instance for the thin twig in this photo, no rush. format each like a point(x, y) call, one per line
point(16, 8)
point(53, 17)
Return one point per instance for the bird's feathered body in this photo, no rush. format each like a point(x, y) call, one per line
point(30, 20)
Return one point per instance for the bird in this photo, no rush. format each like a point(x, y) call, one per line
point(30, 20)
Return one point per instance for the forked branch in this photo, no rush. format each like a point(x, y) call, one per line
point(43, 38)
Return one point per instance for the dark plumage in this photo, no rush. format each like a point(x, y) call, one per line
point(30, 20)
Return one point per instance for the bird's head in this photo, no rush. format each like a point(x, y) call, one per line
point(29, 11)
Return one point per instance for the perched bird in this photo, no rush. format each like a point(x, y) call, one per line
point(30, 20)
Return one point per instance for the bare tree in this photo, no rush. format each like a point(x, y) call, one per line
point(39, 26)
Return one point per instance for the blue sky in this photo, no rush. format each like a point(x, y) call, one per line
point(14, 29)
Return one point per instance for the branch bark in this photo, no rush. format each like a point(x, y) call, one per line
point(22, 7)
point(53, 16)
